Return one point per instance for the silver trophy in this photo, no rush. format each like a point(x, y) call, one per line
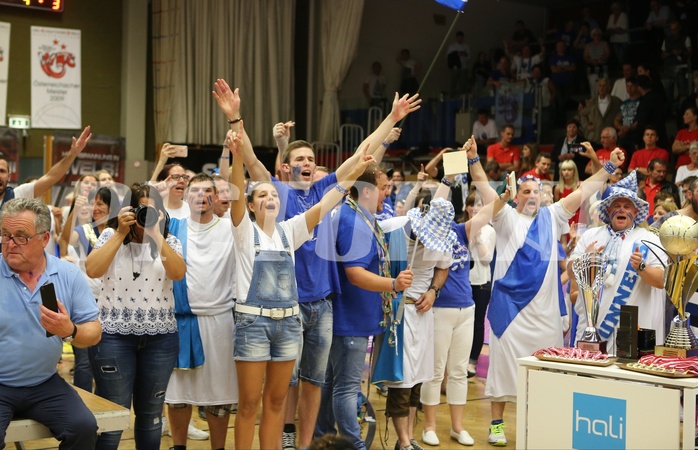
point(589, 272)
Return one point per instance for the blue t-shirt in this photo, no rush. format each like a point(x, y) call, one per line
point(28, 356)
point(561, 61)
point(316, 271)
point(356, 311)
point(457, 292)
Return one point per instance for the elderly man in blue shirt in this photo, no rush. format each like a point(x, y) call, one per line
point(29, 383)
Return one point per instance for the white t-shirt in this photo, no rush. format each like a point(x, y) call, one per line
point(619, 90)
point(683, 172)
point(622, 23)
point(210, 263)
point(480, 273)
point(488, 131)
point(180, 213)
point(296, 230)
point(141, 306)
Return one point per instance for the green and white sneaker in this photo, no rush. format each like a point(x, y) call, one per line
point(497, 437)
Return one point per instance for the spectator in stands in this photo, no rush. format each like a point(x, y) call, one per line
point(484, 129)
point(569, 180)
point(654, 76)
point(538, 82)
point(617, 28)
point(503, 152)
point(568, 148)
point(649, 111)
point(609, 143)
point(657, 23)
point(686, 136)
point(599, 111)
point(522, 65)
point(529, 153)
point(690, 169)
point(374, 87)
point(626, 117)
point(690, 100)
point(655, 182)
point(580, 42)
point(619, 88)
point(400, 189)
point(495, 176)
point(596, 55)
point(458, 58)
point(641, 158)
point(481, 72)
point(676, 53)
point(409, 72)
point(663, 208)
point(520, 37)
point(562, 67)
point(542, 167)
point(686, 187)
point(587, 18)
point(501, 74)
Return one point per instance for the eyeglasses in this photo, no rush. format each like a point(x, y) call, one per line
point(177, 177)
point(18, 240)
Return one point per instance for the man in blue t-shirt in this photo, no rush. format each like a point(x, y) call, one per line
point(32, 335)
point(361, 253)
point(316, 272)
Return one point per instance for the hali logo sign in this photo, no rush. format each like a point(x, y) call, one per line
point(55, 60)
point(598, 422)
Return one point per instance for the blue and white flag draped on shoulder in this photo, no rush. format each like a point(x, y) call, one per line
point(191, 350)
point(520, 284)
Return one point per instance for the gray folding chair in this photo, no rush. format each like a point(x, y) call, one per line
point(350, 136)
point(375, 117)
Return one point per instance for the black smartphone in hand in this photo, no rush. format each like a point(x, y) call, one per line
point(48, 299)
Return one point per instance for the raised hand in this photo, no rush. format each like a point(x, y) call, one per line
point(402, 106)
point(233, 140)
point(79, 144)
point(422, 176)
point(282, 131)
point(617, 157)
point(394, 135)
point(227, 99)
point(470, 147)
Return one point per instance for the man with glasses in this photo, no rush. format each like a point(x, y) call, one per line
point(29, 383)
point(608, 144)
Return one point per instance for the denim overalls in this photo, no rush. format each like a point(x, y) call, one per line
point(267, 325)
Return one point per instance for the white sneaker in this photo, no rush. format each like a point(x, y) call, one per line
point(497, 437)
point(195, 434)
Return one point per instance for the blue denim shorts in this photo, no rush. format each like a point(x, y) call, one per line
point(315, 342)
point(259, 338)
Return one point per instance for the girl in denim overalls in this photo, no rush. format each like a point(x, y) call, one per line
point(268, 328)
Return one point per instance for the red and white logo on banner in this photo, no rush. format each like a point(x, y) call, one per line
point(56, 59)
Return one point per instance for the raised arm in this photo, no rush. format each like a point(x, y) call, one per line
point(58, 171)
point(478, 174)
point(592, 184)
point(402, 106)
point(422, 176)
point(237, 203)
point(166, 152)
point(282, 134)
point(334, 196)
point(229, 102)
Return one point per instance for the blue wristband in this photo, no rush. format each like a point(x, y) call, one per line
point(609, 167)
point(341, 189)
point(394, 285)
point(446, 182)
point(472, 161)
point(385, 144)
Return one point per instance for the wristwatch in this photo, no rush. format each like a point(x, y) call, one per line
point(641, 267)
point(70, 338)
point(437, 291)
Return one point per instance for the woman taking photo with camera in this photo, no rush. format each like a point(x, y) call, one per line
point(138, 260)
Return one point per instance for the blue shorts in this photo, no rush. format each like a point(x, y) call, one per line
point(259, 338)
point(315, 342)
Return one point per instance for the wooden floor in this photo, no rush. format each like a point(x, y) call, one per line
point(476, 420)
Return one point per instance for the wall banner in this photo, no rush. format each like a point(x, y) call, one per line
point(56, 80)
point(4, 64)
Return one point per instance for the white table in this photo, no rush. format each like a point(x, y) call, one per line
point(559, 402)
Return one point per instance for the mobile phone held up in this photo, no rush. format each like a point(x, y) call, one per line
point(48, 299)
point(181, 151)
point(576, 148)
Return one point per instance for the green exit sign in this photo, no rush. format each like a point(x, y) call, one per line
point(21, 122)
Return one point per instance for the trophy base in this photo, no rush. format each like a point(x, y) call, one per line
point(661, 350)
point(592, 346)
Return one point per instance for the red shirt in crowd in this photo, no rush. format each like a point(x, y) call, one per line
point(683, 135)
point(507, 155)
point(544, 177)
point(642, 158)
